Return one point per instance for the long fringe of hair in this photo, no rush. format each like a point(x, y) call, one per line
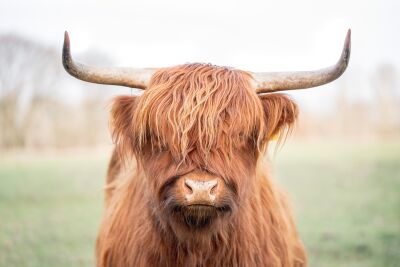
point(198, 106)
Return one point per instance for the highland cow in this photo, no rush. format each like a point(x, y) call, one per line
point(186, 184)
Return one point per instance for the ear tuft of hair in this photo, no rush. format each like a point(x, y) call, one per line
point(121, 123)
point(281, 113)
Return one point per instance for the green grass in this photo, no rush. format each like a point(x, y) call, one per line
point(346, 198)
point(347, 201)
point(49, 210)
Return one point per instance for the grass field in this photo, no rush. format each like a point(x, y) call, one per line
point(346, 198)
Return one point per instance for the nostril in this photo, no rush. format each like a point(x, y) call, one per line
point(188, 188)
point(213, 189)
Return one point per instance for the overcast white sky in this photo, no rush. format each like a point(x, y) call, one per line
point(251, 35)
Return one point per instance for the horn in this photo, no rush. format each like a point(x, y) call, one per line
point(135, 78)
point(266, 82)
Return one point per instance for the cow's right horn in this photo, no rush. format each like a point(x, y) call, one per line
point(134, 78)
point(266, 82)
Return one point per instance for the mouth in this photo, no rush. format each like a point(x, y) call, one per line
point(200, 216)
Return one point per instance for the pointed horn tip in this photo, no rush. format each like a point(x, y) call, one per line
point(348, 38)
point(66, 52)
point(66, 38)
point(347, 47)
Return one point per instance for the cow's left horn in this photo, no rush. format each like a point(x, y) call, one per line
point(135, 78)
point(265, 82)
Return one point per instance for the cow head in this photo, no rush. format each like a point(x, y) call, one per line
point(198, 133)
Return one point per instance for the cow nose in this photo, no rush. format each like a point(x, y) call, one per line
point(200, 192)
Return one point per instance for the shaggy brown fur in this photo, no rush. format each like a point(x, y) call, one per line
point(197, 117)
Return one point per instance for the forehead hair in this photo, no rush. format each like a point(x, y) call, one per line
point(198, 107)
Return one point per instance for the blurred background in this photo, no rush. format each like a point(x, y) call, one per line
point(341, 165)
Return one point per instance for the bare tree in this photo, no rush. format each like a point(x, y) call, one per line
point(387, 100)
point(28, 71)
point(35, 98)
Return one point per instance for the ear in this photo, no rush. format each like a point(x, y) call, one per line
point(122, 112)
point(280, 114)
